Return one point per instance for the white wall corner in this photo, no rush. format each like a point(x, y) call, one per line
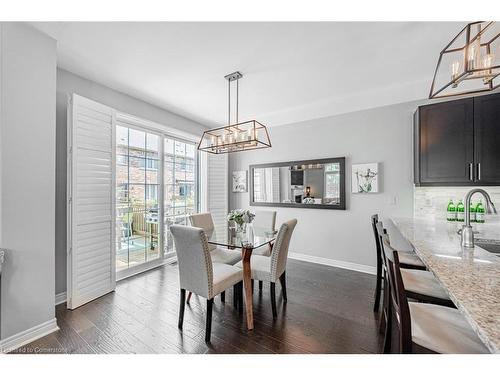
point(22, 338)
point(334, 263)
point(60, 298)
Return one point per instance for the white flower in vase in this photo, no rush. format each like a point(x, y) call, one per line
point(241, 218)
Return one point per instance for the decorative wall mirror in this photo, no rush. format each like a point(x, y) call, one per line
point(318, 183)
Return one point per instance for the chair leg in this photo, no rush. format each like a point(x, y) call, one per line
point(181, 308)
point(223, 297)
point(283, 285)
point(208, 327)
point(388, 330)
point(252, 284)
point(235, 296)
point(378, 287)
point(189, 297)
point(240, 297)
point(273, 299)
point(385, 303)
point(261, 284)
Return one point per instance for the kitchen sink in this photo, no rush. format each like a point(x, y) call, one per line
point(493, 246)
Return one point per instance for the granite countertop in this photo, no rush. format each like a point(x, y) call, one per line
point(471, 276)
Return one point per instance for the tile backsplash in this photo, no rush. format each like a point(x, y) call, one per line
point(431, 202)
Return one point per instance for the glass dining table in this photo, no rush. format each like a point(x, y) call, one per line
point(245, 242)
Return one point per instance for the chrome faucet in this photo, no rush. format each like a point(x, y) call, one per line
point(467, 233)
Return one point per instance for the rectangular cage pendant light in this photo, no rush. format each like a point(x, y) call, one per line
point(240, 136)
point(470, 62)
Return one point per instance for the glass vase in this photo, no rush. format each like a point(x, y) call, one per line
point(240, 228)
point(249, 233)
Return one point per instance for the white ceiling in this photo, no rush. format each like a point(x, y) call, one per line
point(292, 71)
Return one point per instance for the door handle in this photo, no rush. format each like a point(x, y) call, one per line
point(478, 171)
point(471, 172)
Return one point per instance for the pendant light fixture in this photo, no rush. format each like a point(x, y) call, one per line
point(470, 62)
point(239, 136)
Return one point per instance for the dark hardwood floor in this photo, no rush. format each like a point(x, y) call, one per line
point(329, 310)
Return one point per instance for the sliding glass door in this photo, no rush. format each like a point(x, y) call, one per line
point(180, 185)
point(146, 192)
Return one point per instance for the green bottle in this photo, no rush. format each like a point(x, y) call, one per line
point(460, 211)
point(480, 212)
point(451, 211)
point(472, 212)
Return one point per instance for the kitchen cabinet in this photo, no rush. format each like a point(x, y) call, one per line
point(457, 143)
point(487, 139)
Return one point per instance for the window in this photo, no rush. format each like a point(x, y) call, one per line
point(332, 182)
point(151, 193)
point(121, 159)
point(136, 197)
point(143, 189)
point(180, 184)
point(151, 164)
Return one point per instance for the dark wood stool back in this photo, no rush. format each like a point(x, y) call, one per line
point(398, 302)
point(380, 275)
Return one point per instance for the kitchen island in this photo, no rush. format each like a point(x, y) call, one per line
point(470, 276)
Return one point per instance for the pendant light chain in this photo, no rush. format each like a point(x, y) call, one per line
point(229, 102)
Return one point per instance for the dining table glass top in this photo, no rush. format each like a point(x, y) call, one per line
point(252, 238)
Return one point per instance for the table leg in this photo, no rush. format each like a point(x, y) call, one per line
point(247, 280)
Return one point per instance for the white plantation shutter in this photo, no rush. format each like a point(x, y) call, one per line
point(91, 185)
point(217, 193)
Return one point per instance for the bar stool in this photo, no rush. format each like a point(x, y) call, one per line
point(407, 259)
point(434, 328)
point(420, 285)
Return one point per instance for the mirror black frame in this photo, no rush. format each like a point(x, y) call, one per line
point(340, 161)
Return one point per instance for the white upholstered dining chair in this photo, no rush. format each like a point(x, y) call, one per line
point(273, 268)
point(198, 274)
point(264, 221)
point(218, 254)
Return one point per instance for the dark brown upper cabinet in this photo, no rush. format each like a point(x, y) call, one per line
point(487, 139)
point(457, 143)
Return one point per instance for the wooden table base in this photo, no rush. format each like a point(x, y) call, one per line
point(247, 281)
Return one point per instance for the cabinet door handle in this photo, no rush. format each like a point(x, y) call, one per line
point(471, 172)
point(479, 171)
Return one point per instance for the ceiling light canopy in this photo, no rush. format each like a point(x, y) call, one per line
point(240, 136)
point(470, 62)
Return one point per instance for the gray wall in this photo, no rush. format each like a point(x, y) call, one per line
point(27, 178)
point(378, 135)
point(68, 83)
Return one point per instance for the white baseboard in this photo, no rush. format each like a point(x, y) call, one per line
point(30, 335)
point(334, 263)
point(60, 298)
